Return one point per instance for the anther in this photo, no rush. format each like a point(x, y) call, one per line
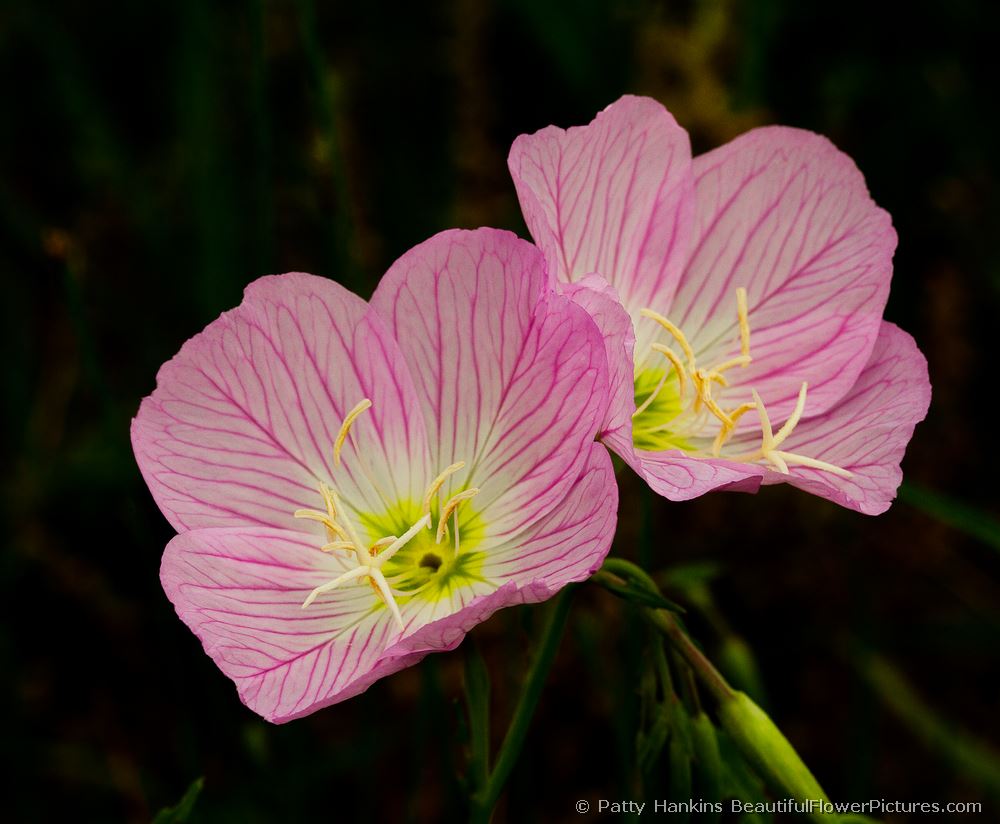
point(451, 506)
point(677, 334)
point(345, 427)
point(436, 485)
point(744, 316)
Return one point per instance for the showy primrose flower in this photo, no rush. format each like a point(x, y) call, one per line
point(356, 485)
point(751, 348)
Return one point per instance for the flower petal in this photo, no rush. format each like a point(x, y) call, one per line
point(785, 214)
point(867, 432)
point(571, 542)
point(612, 197)
point(241, 590)
point(512, 378)
point(567, 545)
point(241, 426)
point(681, 477)
point(600, 300)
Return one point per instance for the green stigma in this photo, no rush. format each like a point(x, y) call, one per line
point(424, 568)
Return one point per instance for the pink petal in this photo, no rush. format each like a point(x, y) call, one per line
point(241, 426)
point(572, 541)
point(511, 377)
point(681, 477)
point(612, 197)
point(785, 214)
point(867, 432)
point(240, 590)
point(600, 300)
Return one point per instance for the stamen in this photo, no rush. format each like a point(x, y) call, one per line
point(437, 483)
point(676, 361)
point(765, 422)
point(451, 506)
point(331, 525)
point(335, 545)
point(793, 419)
point(769, 441)
point(381, 544)
point(351, 534)
point(677, 334)
point(739, 360)
point(378, 579)
point(350, 575)
point(330, 499)
point(744, 316)
point(345, 427)
point(802, 460)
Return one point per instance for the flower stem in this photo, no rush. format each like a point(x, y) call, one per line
point(477, 699)
point(484, 800)
point(759, 741)
point(616, 572)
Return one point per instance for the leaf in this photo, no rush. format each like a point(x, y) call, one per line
point(179, 813)
point(953, 512)
point(690, 576)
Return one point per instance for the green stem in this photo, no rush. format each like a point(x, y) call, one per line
point(484, 801)
point(477, 699)
point(616, 572)
point(759, 741)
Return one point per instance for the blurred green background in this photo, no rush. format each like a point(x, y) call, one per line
point(157, 157)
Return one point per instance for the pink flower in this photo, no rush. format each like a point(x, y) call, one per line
point(751, 348)
point(357, 485)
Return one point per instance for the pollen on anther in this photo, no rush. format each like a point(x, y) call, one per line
point(345, 428)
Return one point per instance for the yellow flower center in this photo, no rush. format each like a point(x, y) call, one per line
point(420, 558)
point(676, 407)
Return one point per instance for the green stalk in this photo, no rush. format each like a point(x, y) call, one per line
point(477, 699)
point(755, 735)
point(483, 802)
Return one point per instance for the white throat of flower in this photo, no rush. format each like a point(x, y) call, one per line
point(369, 559)
point(702, 410)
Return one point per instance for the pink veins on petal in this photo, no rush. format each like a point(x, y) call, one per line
point(356, 485)
point(752, 280)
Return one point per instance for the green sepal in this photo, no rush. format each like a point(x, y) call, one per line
point(708, 760)
point(768, 751)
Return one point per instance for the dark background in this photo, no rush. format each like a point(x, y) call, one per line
point(157, 157)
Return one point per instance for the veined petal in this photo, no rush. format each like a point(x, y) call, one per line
point(240, 590)
point(511, 377)
point(571, 542)
point(567, 545)
point(867, 432)
point(241, 427)
point(599, 299)
point(612, 197)
point(681, 477)
point(785, 214)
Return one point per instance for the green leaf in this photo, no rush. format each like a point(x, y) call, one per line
point(969, 757)
point(953, 512)
point(180, 813)
point(690, 576)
